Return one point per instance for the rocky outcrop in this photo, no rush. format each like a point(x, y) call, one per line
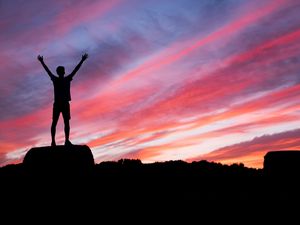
point(282, 163)
point(59, 160)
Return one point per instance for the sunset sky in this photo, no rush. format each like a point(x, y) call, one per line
point(165, 79)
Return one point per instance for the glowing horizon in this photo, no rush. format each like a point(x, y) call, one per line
point(165, 80)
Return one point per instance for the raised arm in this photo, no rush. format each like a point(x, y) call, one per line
point(83, 58)
point(41, 59)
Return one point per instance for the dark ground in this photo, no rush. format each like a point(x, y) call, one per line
point(170, 189)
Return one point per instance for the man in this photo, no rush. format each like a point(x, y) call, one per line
point(62, 96)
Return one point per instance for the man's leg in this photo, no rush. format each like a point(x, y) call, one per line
point(67, 129)
point(67, 117)
point(55, 117)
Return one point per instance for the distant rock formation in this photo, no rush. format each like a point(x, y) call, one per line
point(282, 163)
point(59, 160)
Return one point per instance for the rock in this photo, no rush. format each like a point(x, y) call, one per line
point(282, 163)
point(59, 160)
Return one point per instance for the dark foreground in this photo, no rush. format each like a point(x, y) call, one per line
point(71, 180)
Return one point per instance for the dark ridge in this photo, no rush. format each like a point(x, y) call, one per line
point(78, 160)
point(52, 176)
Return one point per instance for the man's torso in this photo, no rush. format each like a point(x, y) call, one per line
point(62, 89)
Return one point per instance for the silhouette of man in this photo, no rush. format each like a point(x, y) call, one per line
point(62, 96)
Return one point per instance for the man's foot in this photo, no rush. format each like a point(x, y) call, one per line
point(68, 143)
point(53, 144)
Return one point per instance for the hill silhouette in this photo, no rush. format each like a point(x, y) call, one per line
point(68, 176)
point(77, 160)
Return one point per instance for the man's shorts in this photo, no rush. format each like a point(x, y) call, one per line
point(61, 107)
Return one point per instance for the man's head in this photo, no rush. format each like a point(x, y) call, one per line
point(60, 70)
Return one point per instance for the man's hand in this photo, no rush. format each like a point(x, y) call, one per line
point(40, 58)
point(84, 57)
